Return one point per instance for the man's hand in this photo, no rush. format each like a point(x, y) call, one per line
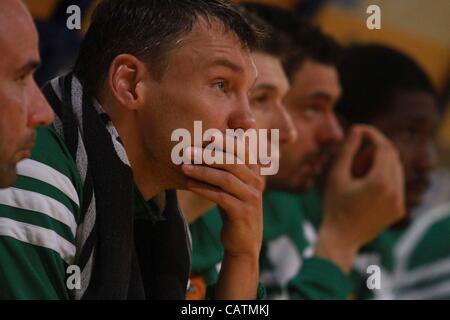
point(358, 208)
point(237, 190)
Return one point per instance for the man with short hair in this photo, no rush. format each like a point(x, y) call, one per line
point(22, 106)
point(96, 195)
point(266, 100)
point(404, 105)
point(388, 90)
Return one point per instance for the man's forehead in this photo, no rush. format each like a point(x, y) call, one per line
point(19, 37)
point(211, 41)
point(14, 16)
point(211, 30)
point(409, 109)
point(270, 72)
point(317, 81)
point(415, 104)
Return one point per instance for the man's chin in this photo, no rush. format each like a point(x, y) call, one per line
point(178, 180)
point(296, 186)
point(306, 185)
point(8, 176)
point(413, 200)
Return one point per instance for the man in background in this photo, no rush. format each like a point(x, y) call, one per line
point(385, 88)
point(266, 101)
point(22, 105)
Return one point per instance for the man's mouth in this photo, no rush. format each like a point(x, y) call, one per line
point(25, 152)
point(315, 164)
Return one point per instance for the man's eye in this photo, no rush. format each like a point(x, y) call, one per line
point(313, 107)
point(22, 77)
point(261, 98)
point(414, 133)
point(221, 86)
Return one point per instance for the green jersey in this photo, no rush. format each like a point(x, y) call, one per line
point(415, 263)
point(289, 269)
point(39, 216)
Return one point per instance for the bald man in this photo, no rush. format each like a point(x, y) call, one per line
point(22, 106)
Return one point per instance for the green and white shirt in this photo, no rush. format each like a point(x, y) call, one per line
point(288, 267)
point(39, 217)
point(415, 265)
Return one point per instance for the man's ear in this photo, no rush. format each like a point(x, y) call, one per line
point(127, 80)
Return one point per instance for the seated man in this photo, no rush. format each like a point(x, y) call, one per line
point(23, 107)
point(404, 105)
point(94, 202)
point(314, 90)
point(266, 101)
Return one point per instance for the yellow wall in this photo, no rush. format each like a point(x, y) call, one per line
point(288, 4)
point(41, 9)
point(433, 55)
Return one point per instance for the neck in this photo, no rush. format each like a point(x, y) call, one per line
point(146, 172)
point(192, 205)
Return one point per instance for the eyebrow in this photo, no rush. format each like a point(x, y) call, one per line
point(320, 95)
point(265, 86)
point(227, 64)
point(29, 67)
point(420, 119)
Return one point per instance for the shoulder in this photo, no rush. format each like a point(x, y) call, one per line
point(43, 207)
point(427, 240)
point(282, 211)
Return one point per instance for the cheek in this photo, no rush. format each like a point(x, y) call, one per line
point(407, 158)
point(196, 103)
point(414, 156)
point(291, 155)
point(13, 119)
point(212, 114)
point(264, 120)
point(306, 132)
point(404, 148)
point(10, 134)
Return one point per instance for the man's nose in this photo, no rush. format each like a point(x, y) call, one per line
point(331, 131)
point(288, 131)
point(242, 117)
point(39, 111)
point(427, 158)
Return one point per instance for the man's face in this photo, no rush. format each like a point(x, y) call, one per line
point(411, 125)
point(266, 98)
point(208, 78)
point(22, 106)
point(310, 101)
